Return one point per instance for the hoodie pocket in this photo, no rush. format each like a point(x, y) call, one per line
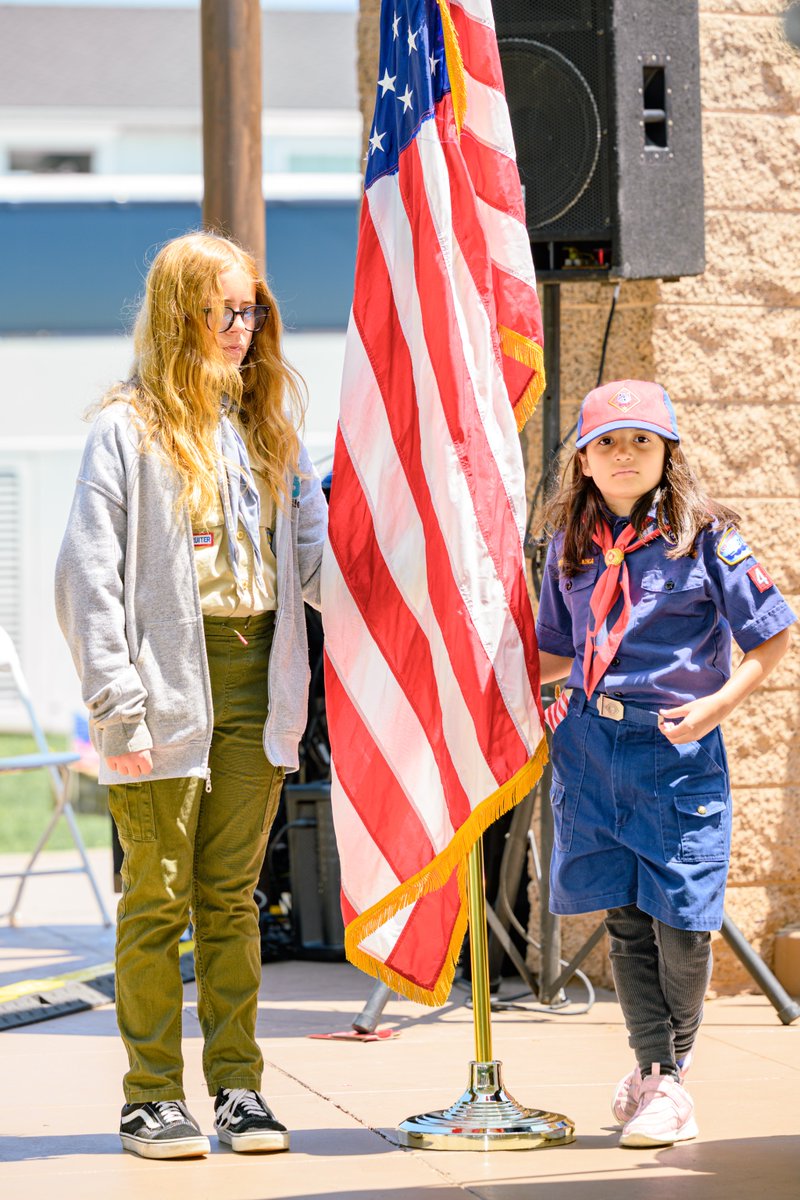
point(169, 664)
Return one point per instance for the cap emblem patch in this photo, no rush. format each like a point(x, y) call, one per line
point(624, 400)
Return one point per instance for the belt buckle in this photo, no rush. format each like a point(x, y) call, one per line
point(613, 709)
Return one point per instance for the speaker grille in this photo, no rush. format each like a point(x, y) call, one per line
point(556, 128)
point(558, 99)
point(604, 100)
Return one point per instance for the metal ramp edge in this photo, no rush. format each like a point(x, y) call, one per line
point(23, 1004)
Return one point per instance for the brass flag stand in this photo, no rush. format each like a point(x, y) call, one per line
point(486, 1117)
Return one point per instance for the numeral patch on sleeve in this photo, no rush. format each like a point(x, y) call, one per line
point(760, 577)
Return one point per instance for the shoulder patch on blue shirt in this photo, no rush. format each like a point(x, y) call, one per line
point(732, 548)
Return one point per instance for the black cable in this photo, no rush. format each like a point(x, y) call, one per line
point(614, 299)
point(511, 1002)
point(537, 545)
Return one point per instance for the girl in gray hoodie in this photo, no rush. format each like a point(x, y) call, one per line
point(195, 535)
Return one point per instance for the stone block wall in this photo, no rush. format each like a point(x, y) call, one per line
point(725, 345)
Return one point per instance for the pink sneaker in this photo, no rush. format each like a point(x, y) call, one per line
point(626, 1097)
point(665, 1113)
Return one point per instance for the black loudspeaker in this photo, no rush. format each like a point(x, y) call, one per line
point(604, 98)
point(314, 872)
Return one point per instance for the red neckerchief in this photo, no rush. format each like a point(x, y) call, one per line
point(610, 585)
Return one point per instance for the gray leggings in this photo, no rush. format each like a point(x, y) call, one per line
point(661, 975)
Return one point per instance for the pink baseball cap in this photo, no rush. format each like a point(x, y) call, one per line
point(626, 404)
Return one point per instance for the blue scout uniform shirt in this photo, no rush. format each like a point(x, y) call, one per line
point(677, 646)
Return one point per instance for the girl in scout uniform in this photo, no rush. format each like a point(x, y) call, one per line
point(645, 584)
point(195, 535)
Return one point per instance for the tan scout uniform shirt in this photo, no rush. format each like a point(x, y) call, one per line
point(219, 595)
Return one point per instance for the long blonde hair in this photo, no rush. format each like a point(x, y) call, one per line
point(180, 375)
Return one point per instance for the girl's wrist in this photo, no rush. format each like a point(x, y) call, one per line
point(725, 702)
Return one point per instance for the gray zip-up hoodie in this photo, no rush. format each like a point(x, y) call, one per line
point(128, 602)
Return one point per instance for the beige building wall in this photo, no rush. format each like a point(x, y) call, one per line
point(726, 345)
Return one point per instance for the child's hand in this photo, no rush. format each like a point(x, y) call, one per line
point(135, 764)
point(701, 716)
point(690, 722)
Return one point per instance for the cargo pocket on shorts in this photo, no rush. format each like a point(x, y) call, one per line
point(273, 798)
point(564, 811)
point(704, 828)
point(131, 806)
point(695, 800)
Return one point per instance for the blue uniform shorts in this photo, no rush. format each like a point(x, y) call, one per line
point(638, 820)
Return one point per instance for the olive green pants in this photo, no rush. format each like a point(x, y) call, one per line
point(189, 851)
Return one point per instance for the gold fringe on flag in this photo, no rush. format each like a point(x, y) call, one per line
point(433, 877)
point(455, 66)
point(529, 353)
point(513, 344)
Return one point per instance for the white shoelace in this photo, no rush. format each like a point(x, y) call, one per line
point(248, 1103)
point(170, 1112)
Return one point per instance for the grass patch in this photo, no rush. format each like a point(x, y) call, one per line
point(26, 804)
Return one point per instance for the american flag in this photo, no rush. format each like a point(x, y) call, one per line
point(554, 713)
point(431, 678)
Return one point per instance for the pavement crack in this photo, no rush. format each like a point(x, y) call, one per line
point(431, 1165)
point(329, 1100)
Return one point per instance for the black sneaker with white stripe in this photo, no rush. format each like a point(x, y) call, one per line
point(161, 1129)
point(245, 1122)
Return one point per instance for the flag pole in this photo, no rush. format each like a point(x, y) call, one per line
point(486, 1116)
point(479, 954)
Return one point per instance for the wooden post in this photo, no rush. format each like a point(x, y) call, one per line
point(233, 203)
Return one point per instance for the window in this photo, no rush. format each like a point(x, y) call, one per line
point(50, 162)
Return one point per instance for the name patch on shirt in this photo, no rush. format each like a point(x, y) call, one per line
point(202, 540)
point(760, 577)
point(732, 548)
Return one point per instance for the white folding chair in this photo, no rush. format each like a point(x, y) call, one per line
point(56, 765)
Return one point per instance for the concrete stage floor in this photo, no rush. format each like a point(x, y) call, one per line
point(60, 1097)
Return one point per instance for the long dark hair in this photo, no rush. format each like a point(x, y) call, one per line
point(682, 509)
